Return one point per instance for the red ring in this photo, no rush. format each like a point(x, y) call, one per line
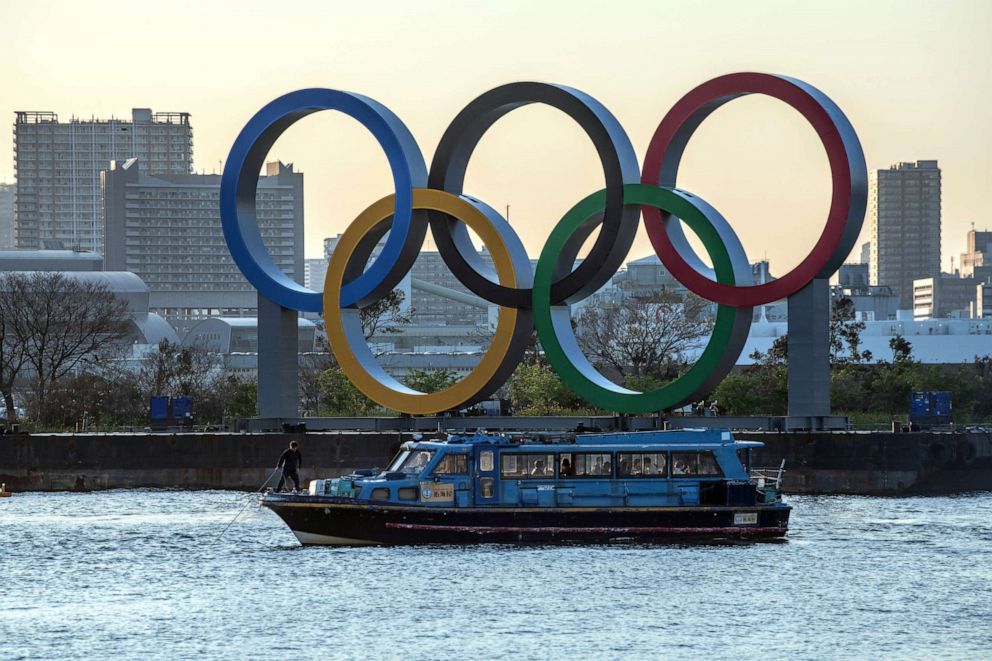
point(692, 109)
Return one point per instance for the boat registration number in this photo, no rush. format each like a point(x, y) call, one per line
point(435, 492)
point(745, 518)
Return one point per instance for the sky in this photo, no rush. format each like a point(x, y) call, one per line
point(913, 78)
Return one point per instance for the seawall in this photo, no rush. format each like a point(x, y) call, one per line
point(828, 462)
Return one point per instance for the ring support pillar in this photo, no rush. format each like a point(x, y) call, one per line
point(278, 360)
point(809, 351)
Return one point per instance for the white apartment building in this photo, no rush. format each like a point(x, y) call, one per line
point(166, 229)
point(58, 167)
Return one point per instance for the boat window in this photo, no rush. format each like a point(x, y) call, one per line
point(486, 460)
point(525, 466)
point(695, 463)
point(380, 494)
point(642, 464)
point(407, 493)
point(488, 485)
point(398, 460)
point(452, 464)
point(586, 464)
point(416, 462)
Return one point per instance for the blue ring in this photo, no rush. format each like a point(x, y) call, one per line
point(240, 179)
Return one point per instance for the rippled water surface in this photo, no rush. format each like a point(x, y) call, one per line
point(143, 575)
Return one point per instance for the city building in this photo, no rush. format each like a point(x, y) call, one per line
point(7, 215)
point(948, 295)
point(314, 273)
point(865, 253)
point(871, 302)
point(904, 209)
point(982, 307)
point(853, 276)
point(58, 165)
point(166, 229)
point(979, 252)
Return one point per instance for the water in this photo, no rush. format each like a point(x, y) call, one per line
point(141, 575)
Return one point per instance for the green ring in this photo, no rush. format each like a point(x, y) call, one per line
point(554, 326)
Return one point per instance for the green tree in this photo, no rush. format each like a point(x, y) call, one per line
point(761, 388)
point(339, 397)
point(242, 399)
point(537, 390)
point(429, 381)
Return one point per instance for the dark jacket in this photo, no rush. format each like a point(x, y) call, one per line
point(290, 461)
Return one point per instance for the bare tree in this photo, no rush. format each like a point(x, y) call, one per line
point(643, 336)
point(63, 324)
point(13, 355)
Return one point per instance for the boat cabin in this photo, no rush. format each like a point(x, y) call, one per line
point(649, 469)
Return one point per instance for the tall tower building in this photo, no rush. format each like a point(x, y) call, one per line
point(166, 228)
point(58, 167)
point(905, 226)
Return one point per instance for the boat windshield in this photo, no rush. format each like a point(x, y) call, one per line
point(415, 461)
point(398, 460)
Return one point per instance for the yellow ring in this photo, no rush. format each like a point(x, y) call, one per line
point(344, 332)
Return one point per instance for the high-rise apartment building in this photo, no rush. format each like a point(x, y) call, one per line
point(58, 167)
point(166, 229)
point(7, 215)
point(314, 273)
point(905, 226)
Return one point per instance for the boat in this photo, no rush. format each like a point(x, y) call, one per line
point(651, 486)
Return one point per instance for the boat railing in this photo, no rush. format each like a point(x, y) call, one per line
point(769, 477)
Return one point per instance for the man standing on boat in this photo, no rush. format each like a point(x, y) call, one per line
point(290, 462)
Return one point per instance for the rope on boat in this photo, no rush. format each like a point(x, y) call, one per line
point(247, 500)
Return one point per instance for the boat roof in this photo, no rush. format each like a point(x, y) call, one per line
point(681, 439)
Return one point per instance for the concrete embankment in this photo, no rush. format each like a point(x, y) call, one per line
point(834, 462)
point(58, 462)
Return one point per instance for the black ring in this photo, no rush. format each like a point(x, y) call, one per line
point(620, 165)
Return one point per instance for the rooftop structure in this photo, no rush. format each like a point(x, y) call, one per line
point(50, 260)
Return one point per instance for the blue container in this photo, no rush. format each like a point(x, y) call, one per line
point(940, 404)
point(919, 405)
point(182, 408)
point(159, 408)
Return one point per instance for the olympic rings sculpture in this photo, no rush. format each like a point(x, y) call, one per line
point(539, 298)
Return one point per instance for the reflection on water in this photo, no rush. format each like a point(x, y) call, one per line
point(142, 575)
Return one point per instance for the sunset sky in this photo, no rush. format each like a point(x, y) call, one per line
point(913, 77)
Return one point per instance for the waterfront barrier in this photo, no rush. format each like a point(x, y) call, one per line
point(816, 462)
